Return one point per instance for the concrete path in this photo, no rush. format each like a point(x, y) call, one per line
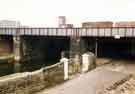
point(88, 83)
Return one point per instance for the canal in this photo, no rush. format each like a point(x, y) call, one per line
point(37, 52)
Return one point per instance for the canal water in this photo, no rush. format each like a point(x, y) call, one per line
point(7, 68)
point(37, 52)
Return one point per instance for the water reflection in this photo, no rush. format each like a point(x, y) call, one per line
point(9, 68)
point(6, 68)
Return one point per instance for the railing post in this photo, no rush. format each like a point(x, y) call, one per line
point(66, 69)
point(65, 61)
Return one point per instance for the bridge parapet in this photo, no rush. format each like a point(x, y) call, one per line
point(82, 32)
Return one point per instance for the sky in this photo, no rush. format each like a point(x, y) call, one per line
point(45, 12)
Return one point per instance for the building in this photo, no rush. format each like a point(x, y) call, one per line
point(97, 24)
point(62, 23)
point(125, 24)
point(9, 23)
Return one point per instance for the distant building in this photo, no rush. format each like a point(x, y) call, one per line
point(97, 24)
point(9, 23)
point(69, 26)
point(62, 23)
point(125, 24)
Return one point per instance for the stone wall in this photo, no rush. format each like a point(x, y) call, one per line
point(30, 82)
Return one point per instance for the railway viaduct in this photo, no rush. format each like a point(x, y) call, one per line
point(49, 43)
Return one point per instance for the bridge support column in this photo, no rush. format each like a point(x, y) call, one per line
point(133, 48)
point(76, 49)
point(83, 46)
point(96, 48)
point(17, 53)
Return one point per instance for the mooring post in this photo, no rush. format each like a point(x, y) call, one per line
point(16, 50)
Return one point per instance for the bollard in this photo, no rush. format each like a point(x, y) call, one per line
point(88, 61)
point(65, 61)
point(85, 62)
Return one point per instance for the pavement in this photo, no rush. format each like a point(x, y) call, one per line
point(127, 67)
point(92, 82)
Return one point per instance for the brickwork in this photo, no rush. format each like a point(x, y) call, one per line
point(98, 24)
point(125, 24)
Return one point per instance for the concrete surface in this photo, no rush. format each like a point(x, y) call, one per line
point(88, 83)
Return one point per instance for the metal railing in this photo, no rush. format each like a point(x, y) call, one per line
point(83, 32)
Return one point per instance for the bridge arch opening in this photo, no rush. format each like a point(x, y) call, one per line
point(42, 51)
point(123, 48)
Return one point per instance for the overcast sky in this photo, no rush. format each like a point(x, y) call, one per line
point(45, 12)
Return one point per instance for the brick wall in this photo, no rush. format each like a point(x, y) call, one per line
point(98, 24)
point(125, 24)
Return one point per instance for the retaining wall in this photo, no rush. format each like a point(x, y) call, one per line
point(30, 82)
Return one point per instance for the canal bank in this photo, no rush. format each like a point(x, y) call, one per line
point(29, 82)
point(113, 77)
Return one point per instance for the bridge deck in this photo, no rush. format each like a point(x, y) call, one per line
point(90, 32)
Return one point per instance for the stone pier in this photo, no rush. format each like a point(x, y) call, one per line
point(77, 47)
point(17, 51)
